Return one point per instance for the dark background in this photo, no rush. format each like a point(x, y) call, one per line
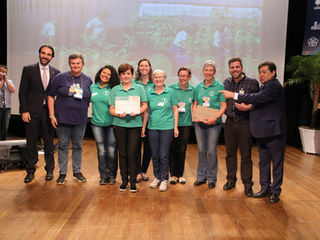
point(298, 102)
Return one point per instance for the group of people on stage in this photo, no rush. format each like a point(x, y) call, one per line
point(160, 117)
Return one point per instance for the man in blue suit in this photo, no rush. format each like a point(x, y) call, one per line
point(268, 126)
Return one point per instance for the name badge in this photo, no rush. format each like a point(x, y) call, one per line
point(206, 101)
point(181, 106)
point(72, 90)
point(78, 92)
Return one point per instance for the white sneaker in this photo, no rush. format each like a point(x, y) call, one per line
point(182, 180)
point(163, 186)
point(155, 183)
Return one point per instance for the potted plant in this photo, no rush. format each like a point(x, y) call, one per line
point(307, 69)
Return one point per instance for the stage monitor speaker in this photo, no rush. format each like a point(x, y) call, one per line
point(12, 154)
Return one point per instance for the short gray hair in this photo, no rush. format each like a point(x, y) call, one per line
point(209, 63)
point(75, 56)
point(159, 71)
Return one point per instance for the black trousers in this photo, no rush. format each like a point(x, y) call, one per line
point(271, 150)
point(178, 152)
point(142, 167)
point(5, 114)
point(237, 135)
point(127, 142)
point(43, 128)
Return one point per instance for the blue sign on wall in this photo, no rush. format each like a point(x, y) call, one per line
point(311, 43)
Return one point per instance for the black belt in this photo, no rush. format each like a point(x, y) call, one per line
point(236, 119)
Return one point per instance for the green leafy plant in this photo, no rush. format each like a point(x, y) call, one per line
point(306, 69)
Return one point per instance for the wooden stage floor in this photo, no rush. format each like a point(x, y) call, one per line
point(44, 210)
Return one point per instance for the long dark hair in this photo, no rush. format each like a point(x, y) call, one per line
point(114, 78)
point(138, 73)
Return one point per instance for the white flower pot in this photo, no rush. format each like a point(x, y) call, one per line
point(310, 139)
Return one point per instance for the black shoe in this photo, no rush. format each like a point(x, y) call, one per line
point(49, 176)
point(173, 180)
point(29, 178)
point(145, 177)
point(61, 179)
point(79, 177)
point(262, 193)
point(211, 184)
point(123, 186)
point(103, 181)
point(229, 185)
point(248, 190)
point(198, 182)
point(133, 188)
point(274, 198)
point(112, 181)
point(139, 178)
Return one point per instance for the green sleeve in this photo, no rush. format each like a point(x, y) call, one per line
point(143, 95)
point(112, 97)
point(221, 97)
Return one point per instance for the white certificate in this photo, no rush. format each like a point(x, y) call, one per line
point(127, 104)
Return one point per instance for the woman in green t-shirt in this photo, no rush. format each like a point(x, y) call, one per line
point(162, 126)
point(127, 123)
point(184, 92)
point(144, 78)
point(101, 123)
point(208, 130)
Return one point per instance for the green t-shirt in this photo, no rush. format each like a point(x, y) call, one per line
point(135, 90)
point(209, 96)
point(100, 105)
point(161, 115)
point(185, 99)
point(147, 87)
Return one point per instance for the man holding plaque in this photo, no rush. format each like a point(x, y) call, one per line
point(236, 129)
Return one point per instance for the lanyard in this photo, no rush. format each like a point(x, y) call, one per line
point(73, 80)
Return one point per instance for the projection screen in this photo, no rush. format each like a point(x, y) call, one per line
point(169, 33)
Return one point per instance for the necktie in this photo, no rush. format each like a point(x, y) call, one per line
point(44, 78)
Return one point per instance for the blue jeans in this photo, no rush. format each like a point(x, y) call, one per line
point(107, 151)
point(65, 133)
point(160, 142)
point(207, 140)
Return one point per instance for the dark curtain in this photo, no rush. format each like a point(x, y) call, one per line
point(298, 101)
point(3, 34)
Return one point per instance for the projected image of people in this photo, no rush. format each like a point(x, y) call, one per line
point(48, 32)
point(169, 34)
point(177, 53)
point(95, 27)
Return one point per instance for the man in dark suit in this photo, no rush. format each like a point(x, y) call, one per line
point(33, 107)
point(268, 126)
